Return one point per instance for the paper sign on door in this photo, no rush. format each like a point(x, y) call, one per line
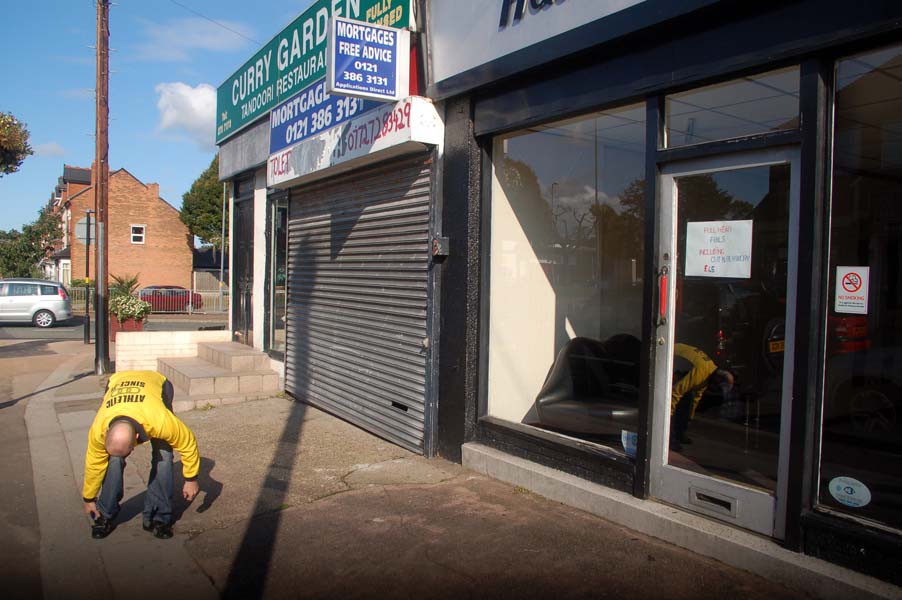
point(719, 249)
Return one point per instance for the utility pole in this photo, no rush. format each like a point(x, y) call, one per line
point(101, 190)
point(87, 332)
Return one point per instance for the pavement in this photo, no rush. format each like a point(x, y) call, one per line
point(295, 503)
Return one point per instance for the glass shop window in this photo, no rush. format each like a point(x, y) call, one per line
point(741, 107)
point(861, 441)
point(565, 296)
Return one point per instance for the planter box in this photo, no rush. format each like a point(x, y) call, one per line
point(126, 325)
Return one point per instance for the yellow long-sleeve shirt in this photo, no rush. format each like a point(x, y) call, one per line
point(696, 380)
point(138, 396)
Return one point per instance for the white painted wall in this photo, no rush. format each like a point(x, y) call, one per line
point(139, 350)
point(522, 310)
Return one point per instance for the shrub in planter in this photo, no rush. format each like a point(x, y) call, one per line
point(127, 312)
point(125, 307)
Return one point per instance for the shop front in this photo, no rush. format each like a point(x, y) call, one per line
point(674, 227)
point(334, 214)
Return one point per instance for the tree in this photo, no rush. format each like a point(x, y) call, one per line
point(14, 145)
point(202, 206)
point(22, 253)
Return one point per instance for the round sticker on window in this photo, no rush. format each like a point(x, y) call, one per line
point(850, 492)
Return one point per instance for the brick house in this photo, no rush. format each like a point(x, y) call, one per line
point(146, 237)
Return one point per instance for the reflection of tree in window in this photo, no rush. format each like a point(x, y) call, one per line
point(620, 233)
point(519, 181)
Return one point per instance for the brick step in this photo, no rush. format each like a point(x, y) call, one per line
point(197, 376)
point(233, 356)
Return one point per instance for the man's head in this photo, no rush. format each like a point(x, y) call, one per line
point(120, 438)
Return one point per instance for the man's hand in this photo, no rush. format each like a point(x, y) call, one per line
point(91, 509)
point(190, 490)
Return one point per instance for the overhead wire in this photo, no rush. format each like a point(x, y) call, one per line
point(214, 21)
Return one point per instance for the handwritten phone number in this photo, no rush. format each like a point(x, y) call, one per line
point(375, 128)
point(320, 119)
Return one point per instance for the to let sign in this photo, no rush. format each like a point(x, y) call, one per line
point(368, 61)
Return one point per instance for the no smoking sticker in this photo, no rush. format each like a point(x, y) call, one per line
point(851, 290)
point(851, 283)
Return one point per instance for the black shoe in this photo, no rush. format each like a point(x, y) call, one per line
point(685, 440)
point(675, 445)
point(101, 528)
point(162, 531)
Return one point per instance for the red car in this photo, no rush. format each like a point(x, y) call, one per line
point(171, 298)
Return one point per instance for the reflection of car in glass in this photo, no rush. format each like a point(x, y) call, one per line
point(740, 324)
point(751, 332)
point(863, 396)
point(37, 301)
point(592, 387)
point(171, 298)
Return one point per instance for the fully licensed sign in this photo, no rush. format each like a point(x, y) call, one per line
point(368, 61)
point(410, 124)
point(293, 60)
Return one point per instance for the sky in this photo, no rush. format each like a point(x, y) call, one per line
point(167, 59)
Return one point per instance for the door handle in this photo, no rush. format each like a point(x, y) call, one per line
point(662, 296)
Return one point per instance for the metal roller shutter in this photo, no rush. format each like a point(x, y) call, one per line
point(358, 266)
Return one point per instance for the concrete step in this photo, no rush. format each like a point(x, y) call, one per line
point(197, 376)
point(233, 356)
point(184, 402)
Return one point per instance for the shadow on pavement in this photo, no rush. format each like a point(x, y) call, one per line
point(247, 576)
point(15, 401)
point(32, 348)
point(252, 563)
point(210, 489)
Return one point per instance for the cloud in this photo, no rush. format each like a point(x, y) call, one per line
point(188, 111)
point(176, 40)
point(49, 149)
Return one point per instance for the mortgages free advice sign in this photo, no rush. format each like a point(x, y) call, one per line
point(293, 59)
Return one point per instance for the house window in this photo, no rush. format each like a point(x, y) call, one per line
point(138, 234)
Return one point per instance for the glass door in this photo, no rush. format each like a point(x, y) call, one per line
point(723, 382)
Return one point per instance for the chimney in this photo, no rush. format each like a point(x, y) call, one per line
point(154, 189)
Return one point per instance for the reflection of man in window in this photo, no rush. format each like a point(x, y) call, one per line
point(694, 371)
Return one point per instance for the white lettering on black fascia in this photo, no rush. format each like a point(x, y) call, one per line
point(535, 5)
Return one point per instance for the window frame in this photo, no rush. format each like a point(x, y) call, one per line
point(598, 462)
point(133, 235)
